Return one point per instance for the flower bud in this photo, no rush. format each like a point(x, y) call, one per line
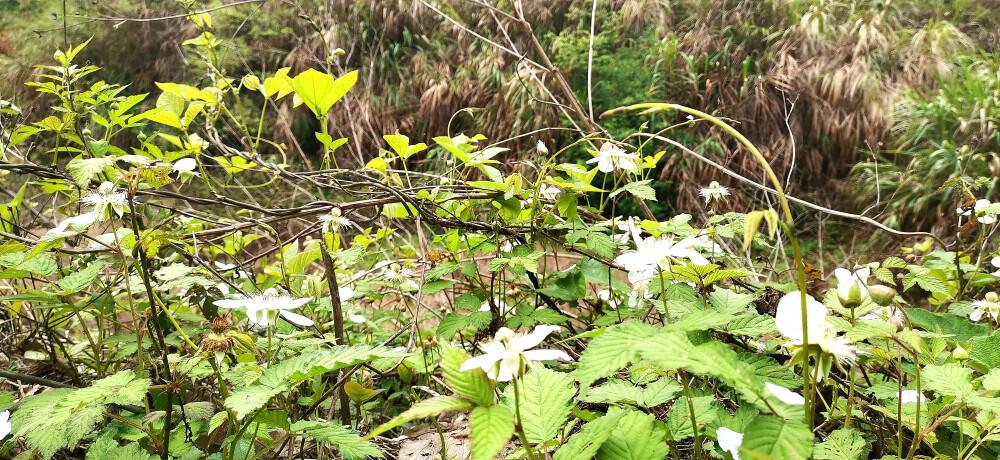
point(882, 295)
point(142, 137)
point(960, 353)
point(251, 82)
point(243, 341)
point(852, 297)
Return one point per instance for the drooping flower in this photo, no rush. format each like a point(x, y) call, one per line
point(107, 199)
point(714, 192)
point(355, 317)
point(264, 308)
point(852, 286)
point(996, 263)
point(509, 353)
point(334, 221)
point(988, 305)
point(608, 296)
point(186, 165)
point(501, 305)
point(5, 426)
point(982, 215)
point(729, 441)
point(612, 157)
point(788, 318)
point(542, 149)
point(785, 395)
point(911, 396)
point(549, 192)
point(509, 244)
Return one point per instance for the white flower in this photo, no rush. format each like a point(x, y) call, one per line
point(186, 166)
point(608, 296)
point(502, 306)
point(334, 221)
point(345, 293)
point(399, 275)
point(612, 156)
point(729, 441)
point(852, 286)
point(623, 225)
point(714, 192)
point(785, 395)
point(549, 192)
point(788, 317)
point(651, 252)
point(542, 148)
point(5, 426)
point(963, 212)
point(503, 357)
point(79, 223)
point(990, 305)
point(106, 197)
point(509, 244)
point(262, 309)
point(984, 217)
point(996, 263)
point(911, 396)
point(355, 318)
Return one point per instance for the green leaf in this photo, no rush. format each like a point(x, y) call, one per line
point(328, 141)
point(347, 441)
point(84, 170)
point(451, 324)
point(106, 448)
point(658, 392)
point(679, 417)
point(946, 323)
point(611, 351)
point(601, 244)
point(638, 437)
point(948, 380)
point(427, 408)
point(319, 91)
point(585, 444)
point(641, 189)
point(82, 279)
point(491, 427)
point(986, 351)
point(473, 384)
point(546, 402)
point(842, 444)
point(776, 438)
point(751, 325)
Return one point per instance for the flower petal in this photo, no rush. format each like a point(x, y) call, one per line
point(296, 318)
point(529, 341)
point(227, 303)
point(484, 361)
point(785, 395)
point(788, 317)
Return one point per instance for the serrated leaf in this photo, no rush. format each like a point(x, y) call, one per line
point(585, 444)
point(106, 448)
point(679, 417)
point(84, 170)
point(452, 324)
point(611, 351)
point(348, 442)
point(777, 438)
point(948, 380)
point(473, 384)
point(986, 351)
point(637, 437)
point(752, 325)
point(491, 428)
point(601, 244)
point(81, 279)
point(842, 444)
point(653, 394)
point(546, 402)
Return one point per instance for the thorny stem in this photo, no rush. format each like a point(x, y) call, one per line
point(788, 226)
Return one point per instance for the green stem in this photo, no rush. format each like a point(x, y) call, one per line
point(694, 420)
